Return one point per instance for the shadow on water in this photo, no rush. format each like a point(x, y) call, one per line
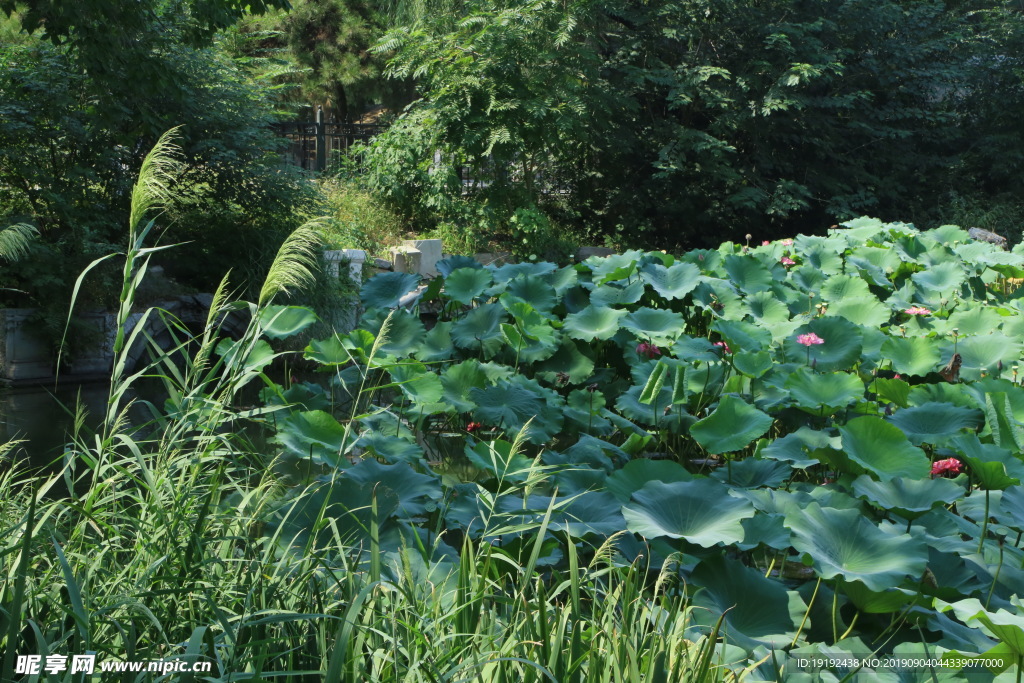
point(42, 417)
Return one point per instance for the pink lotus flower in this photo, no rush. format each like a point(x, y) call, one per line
point(649, 350)
point(809, 339)
point(786, 261)
point(786, 243)
point(725, 347)
point(949, 466)
point(765, 243)
point(917, 310)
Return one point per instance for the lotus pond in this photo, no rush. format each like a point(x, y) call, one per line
point(821, 438)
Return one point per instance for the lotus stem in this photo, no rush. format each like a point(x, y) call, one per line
point(807, 613)
point(984, 524)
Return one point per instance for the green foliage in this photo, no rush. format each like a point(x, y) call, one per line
point(736, 119)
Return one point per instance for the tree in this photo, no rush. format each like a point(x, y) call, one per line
point(682, 121)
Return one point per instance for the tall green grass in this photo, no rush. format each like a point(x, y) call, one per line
point(162, 547)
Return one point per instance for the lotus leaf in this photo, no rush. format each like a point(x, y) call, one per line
point(908, 498)
point(384, 290)
point(593, 322)
point(932, 422)
point(466, 285)
point(912, 355)
point(748, 274)
point(480, 330)
point(841, 349)
point(279, 322)
point(624, 482)
point(844, 543)
point(674, 282)
point(613, 294)
point(757, 610)
point(731, 427)
point(702, 512)
point(824, 392)
point(655, 325)
point(881, 448)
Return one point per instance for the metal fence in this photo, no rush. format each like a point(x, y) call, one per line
point(318, 145)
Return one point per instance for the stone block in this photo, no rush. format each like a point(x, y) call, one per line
point(407, 259)
point(354, 257)
point(430, 251)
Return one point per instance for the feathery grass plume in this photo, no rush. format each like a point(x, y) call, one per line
point(15, 240)
point(293, 266)
point(153, 188)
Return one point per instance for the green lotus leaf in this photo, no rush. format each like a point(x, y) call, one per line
point(612, 294)
point(840, 351)
point(748, 274)
point(590, 512)
point(418, 383)
point(510, 406)
point(912, 355)
point(533, 290)
point(766, 307)
point(808, 280)
point(866, 311)
point(437, 344)
point(414, 491)
point(511, 270)
point(1011, 508)
point(614, 267)
point(702, 512)
point(881, 602)
point(892, 390)
point(384, 290)
point(300, 395)
point(674, 282)
point(392, 448)
point(731, 427)
point(983, 353)
point(593, 322)
point(480, 330)
point(404, 335)
point(742, 336)
point(978, 320)
point(312, 434)
point(567, 360)
point(721, 298)
point(870, 272)
point(696, 348)
point(563, 279)
point(299, 521)
point(458, 379)
point(279, 322)
point(799, 447)
point(656, 325)
point(532, 340)
point(841, 287)
point(931, 422)
point(449, 265)
point(844, 543)
point(1004, 625)
point(651, 412)
point(824, 392)
point(245, 356)
point(466, 285)
point(765, 529)
point(1007, 431)
point(820, 257)
point(498, 458)
point(908, 498)
point(942, 279)
point(882, 448)
point(624, 482)
point(991, 475)
point(335, 351)
point(753, 364)
point(753, 473)
point(756, 611)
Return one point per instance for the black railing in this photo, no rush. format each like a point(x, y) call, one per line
point(314, 144)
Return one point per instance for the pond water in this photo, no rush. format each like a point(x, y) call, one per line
point(43, 417)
